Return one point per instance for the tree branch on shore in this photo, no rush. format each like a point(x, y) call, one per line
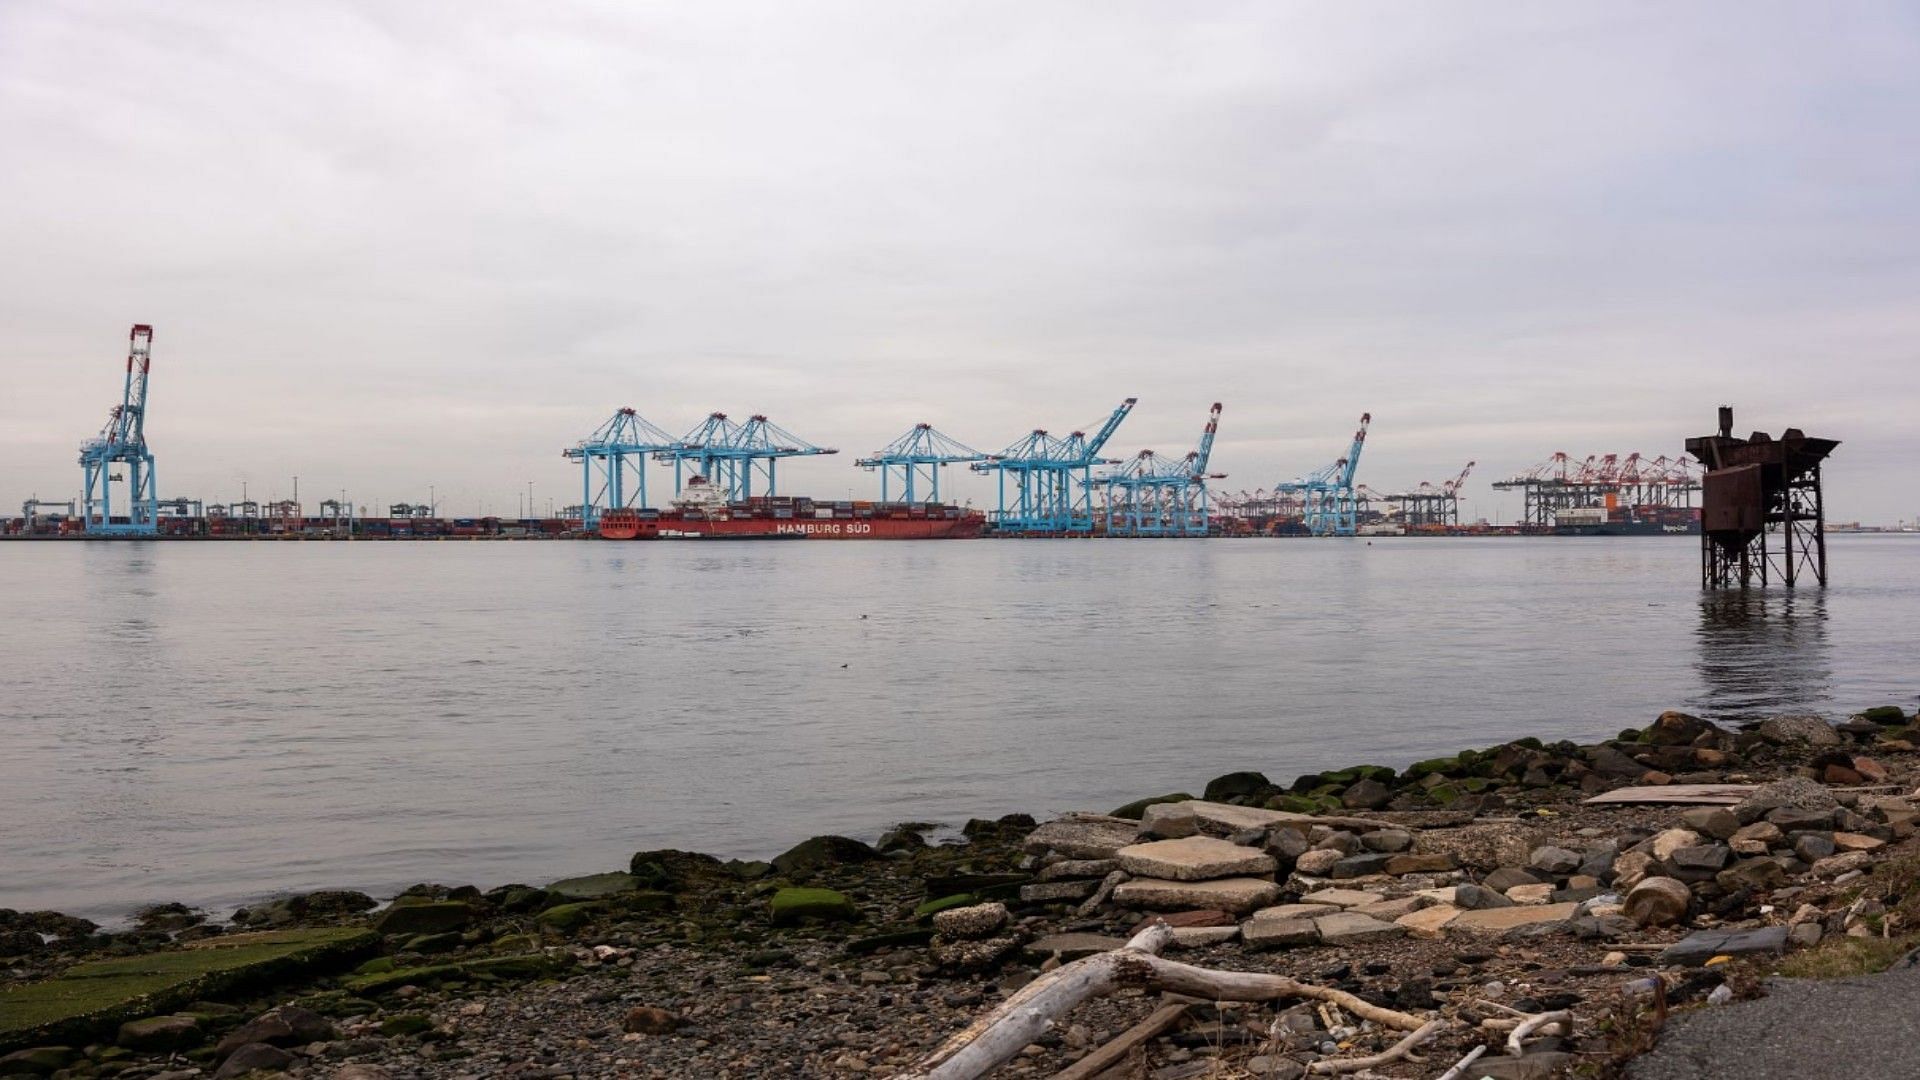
point(1001, 1034)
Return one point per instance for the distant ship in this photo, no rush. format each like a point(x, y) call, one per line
point(703, 512)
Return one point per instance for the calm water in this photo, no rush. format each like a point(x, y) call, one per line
point(216, 722)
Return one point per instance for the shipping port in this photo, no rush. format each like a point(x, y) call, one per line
point(721, 480)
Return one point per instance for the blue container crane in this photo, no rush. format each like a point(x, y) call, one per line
point(917, 455)
point(616, 448)
point(1155, 496)
point(1328, 505)
point(123, 441)
point(1051, 478)
point(729, 455)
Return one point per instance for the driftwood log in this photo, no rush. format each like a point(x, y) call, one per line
point(1001, 1034)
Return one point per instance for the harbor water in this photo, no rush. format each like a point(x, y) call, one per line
point(213, 723)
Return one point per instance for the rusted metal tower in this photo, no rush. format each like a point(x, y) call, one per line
point(1759, 488)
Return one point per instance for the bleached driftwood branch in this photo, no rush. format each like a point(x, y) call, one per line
point(1001, 1034)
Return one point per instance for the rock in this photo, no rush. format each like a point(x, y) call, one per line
point(1199, 937)
point(1367, 794)
point(1766, 833)
point(1268, 933)
point(673, 870)
point(1697, 862)
point(1540, 1065)
point(1193, 858)
point(1841, 776)
point(37, 1061)
point(1494, 920)
point(1793, 819)
point(1236, 785)
point(1298, 911)
point(1090, 836)
point(325, 904)
point(821, 852)
point(1478, 898)
point(1348, 927)
point(1631, 867)
point(1658, 901)
point(1389, 910)
point(594, 886)
point(1612, 764)
point(1715, 821)
point(1836, 865)
point(1438, 862)
point(1811, 847)
point(1884, 714)
point(1238, 895)
point(1072, 946)
point(1557, 861)
point(790, 906)
point(1070, 869)
point(1342, 898)
point(1135, 809)
point(1848, 841)
point(1870, 770)
point(1806, 935)
point(1428, 922)
point(1057, 892)
point(1762, 875)
point(1506, 877)
point(1354, 866)
point(649, 1020)
point(1675, 729)
point(252, 1057)
point(1344, 842)
point(1795, 791)
point(158, 1033)
point(974, 956)
point(1703, 945)
point(901, 838)
point(1665, 843)
point(431, 917)
point(1530, 894)
point(977, 921)
point(1782, 730)
point(568, 917)
point(1316, 863)
point(1387, 840)
point(288, 1025)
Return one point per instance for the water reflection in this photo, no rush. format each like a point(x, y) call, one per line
point(1762, 652)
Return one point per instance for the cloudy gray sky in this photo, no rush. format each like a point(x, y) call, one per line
point(387, 245)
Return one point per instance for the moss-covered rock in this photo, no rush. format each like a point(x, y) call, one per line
point(569, 916)
point(531, 966)
point(671, 869)
point(37, 1061)
point(99, 996)
point(791, 906)
point(1440, 766)
point(425, 917)
point(1293, 804)
point(1884, 714)
point(404, 1024)
point(1136, 809)
point(821, 852)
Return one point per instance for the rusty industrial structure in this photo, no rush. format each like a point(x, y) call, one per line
point(1759, 488)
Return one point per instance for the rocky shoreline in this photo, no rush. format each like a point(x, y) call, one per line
point(1465, 889)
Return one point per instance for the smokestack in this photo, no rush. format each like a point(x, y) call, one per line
point(1726, 421)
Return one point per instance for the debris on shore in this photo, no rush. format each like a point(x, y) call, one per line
point(1392, 921)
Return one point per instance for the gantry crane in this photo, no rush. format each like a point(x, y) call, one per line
point(1327, 503)
point(123, 442)
point(616, 448)
point(730, 456)
point(1155, 496)
point(1051, 479)
point(915, 456)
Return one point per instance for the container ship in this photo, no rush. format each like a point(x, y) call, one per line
point(703, 512)
point(1620, 521)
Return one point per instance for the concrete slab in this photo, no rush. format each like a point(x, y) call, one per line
point(1083, 836)
point(1194, 858)
point(1429, 922)
point(1346, 898)
point(1494, 920)
point(1238, 895)
point(1278, 933)
point(1350, 926)
point(1296, 911)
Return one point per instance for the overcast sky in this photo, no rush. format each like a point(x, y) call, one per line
point(386, 245)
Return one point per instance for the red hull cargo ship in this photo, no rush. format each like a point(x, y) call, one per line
point(703, 513)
